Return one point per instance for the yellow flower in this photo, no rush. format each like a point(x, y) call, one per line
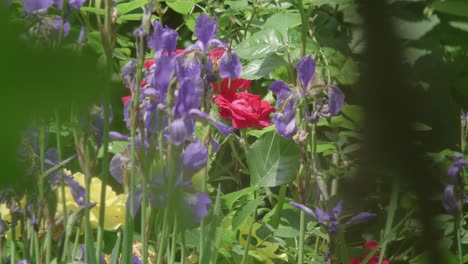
point(114, 204)
point(6, 216)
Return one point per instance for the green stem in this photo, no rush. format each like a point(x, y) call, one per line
point(37, 256)
point(89, 247)
point(174, 242)
point(300, 258)
point(304, 28)
point(115, 254)
point(162, 237)
point(49, 241)
point(279, 206)
point(13, 245)
point(390, 214)
point(249, 238)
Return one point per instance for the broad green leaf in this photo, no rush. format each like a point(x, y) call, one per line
point(456, 8)
point(283, 21)
point(94, 41)
point(352, 148)
point(322, 147)
point(260, 44)
point(244, 212)
point(124, 8)
point(415, 30)
point(348, 73)
point(182, 6)
point(237, 5)
point(351, 134)
point(459, 25)
point(286, 232)
point(353, 112)
point(259, 68)
point(273, 160)
point(231, 198)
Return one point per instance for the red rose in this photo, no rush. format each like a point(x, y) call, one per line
point(244, 110)
point(372, 260)
point(234, 86)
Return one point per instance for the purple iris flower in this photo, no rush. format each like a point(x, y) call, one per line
point(286, 98)
point(229, 65)
point(194, 158)
point(285, 118)
point(305, 71)
point(455, 170)
point(193, 204)
point(2, 227)
point(163, 39)
point(205, 28)
point(197, 205)
point(186, 111)
point(449, 201)
point(57, 24)
point(33, 5)
point(335, 100)
point(189, 64)
point(76, 4)
point(331, 220)
point(59, 4)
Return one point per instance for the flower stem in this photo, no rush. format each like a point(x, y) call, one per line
point(279, 206)
point(390, 214)
point(249, 238)
point(300, 258)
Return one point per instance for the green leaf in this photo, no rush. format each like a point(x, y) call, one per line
point(94, 41)
point(353, 112)
point(244, 212)
point(352, 148)
point(421, 127)
point(93, 10)
point(456, 8)
point(286, 232)
point(114, 147)
point(351, 134)
point(348, 73)
point(258, 133)
point(132, 17)
point(259, 68)
point(272, 160)
point(459, 25)
point(191, 20)
point(260, 44)
point(182, 7)
point(237, 5)
point(323, 147)
point(415, 30)
point(283, 21)
point(411, 55)
point(124, 8)
point(231, 198)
